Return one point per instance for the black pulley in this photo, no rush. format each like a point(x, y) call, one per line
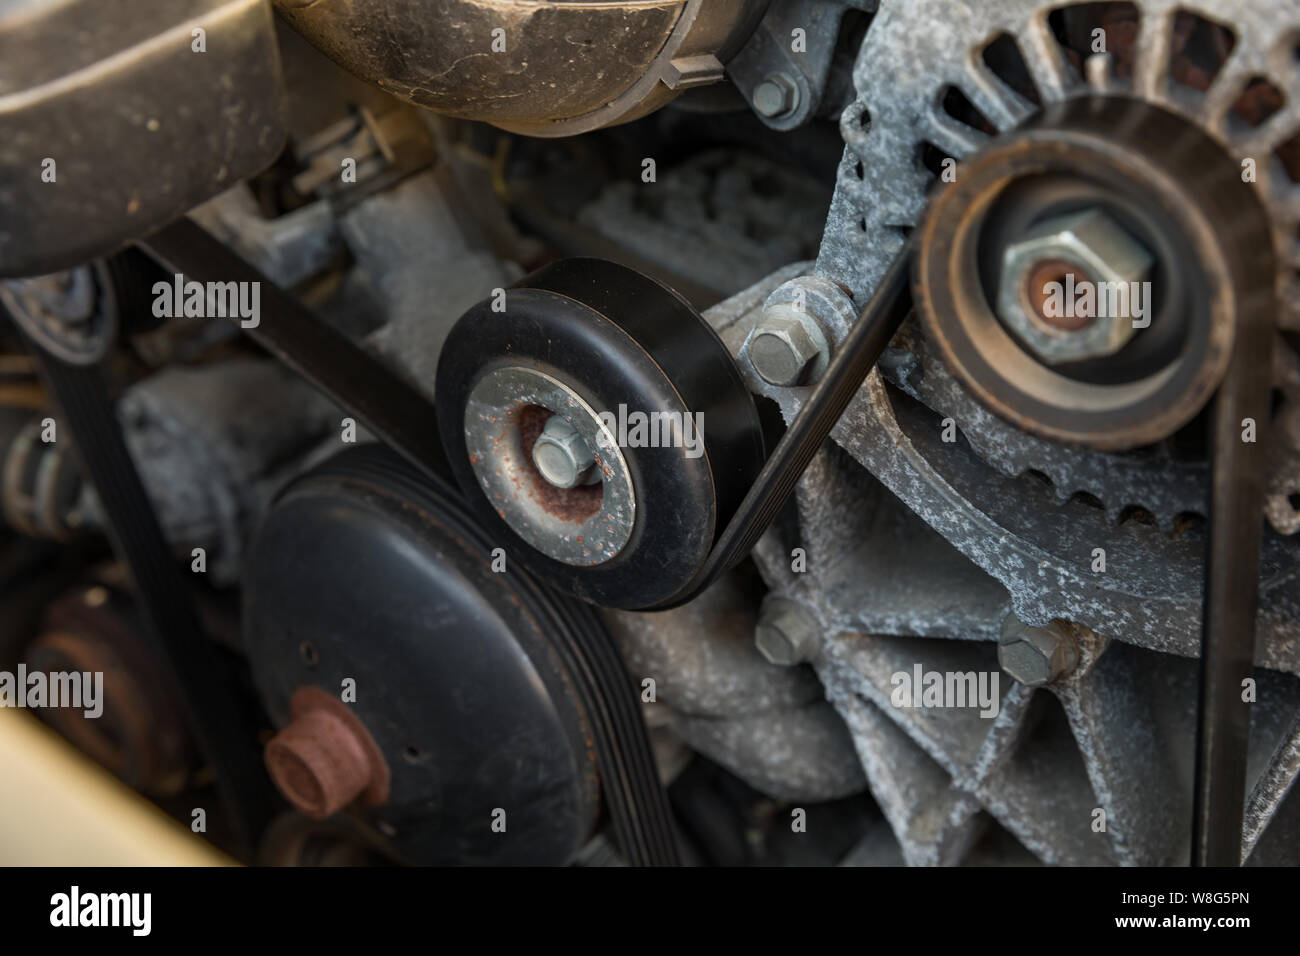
point(471, 711)
point(600, 429)
point(365, 600)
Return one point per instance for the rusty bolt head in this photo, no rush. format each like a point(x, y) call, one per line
point(787, 346)
point(1090, 247)
point(787, 633)
point(1035, 656)
point(325, 759)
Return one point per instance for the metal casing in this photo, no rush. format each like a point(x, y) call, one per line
point(114, 122)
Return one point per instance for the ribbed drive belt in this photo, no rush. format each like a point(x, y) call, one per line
point(222, 725)
point(405, 420)
point(865, 343)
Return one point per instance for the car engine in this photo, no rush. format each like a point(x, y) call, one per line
point(781, 432)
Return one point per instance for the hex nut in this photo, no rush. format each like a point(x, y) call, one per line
point(787, 346)
point(1036, 656)
point(1102, 252)
point(787, 633)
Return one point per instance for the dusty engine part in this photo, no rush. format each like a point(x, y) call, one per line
point(704, 222)
point(421, 217)
point(787, 83)
point(1007, 540)
point(875, 581)
point(140, 735)
point(212, 443)
point(290, 248)
point(657, 401)
point(454, 752)
point(926, 475)
point(893, 593)
point(532, 68)
point(715, 222)
point(769, 725)
point(133, 80)
point(999, 65)
point(396, 243)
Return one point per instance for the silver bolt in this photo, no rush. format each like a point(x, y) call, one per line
point(786, 633)
point(562, 456)
point(1035, 656)
point(1082, 247)
point(787, 346)
point(776, 96)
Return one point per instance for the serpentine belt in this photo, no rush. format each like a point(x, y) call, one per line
point(224, 727)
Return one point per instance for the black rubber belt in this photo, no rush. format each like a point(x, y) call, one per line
point(1231, 597)
point(643, 819)
point(405, 419)
point(388, 405)
point(223, 727)
point(867, 340)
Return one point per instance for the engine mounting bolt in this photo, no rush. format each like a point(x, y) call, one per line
point(786, 346)
point(1036, 656)
point(562, 456)
point(786, 633)
point(1040, 273)
point(776, 96)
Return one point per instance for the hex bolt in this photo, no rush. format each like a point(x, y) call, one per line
point(1081, 247)
point(1036, 656)
point(562, 456)
point(787, 346)
point(776, 96)
point(786, 633)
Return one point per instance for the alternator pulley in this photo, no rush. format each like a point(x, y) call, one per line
point(1158, 184)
